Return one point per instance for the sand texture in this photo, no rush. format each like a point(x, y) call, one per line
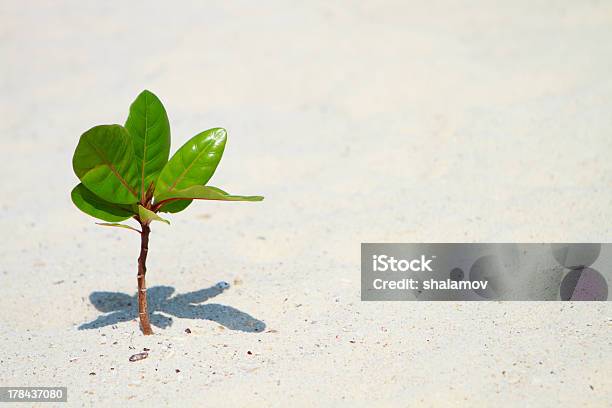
point(359, 122)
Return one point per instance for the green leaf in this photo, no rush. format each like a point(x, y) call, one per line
point(175, 206)
point(150, 130)
point(147, 216)
point(193, 164)
point(205, 193)
point(104, 161)
point(114, 224)
point(93, 205)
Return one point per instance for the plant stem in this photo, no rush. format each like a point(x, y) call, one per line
point(142, 286)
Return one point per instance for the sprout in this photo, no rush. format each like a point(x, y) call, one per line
point(125, 173)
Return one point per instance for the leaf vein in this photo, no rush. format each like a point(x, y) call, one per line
point(111, 167)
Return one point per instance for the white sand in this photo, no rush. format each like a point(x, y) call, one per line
point(395, 122)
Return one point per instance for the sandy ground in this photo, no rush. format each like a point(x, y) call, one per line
point(362, 122)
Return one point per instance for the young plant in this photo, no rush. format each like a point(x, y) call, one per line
point(125, 173)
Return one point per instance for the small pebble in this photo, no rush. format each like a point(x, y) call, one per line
point(139, 356)
point(249, 352)
point(188, 330)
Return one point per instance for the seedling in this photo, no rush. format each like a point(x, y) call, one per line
point(125, 173)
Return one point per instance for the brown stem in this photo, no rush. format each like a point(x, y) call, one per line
point(142, 287)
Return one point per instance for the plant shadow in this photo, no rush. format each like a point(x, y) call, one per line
point(121, 307)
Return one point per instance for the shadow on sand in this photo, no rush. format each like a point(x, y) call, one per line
point(120, 307)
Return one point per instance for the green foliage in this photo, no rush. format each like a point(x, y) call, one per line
point(147, 216)
point(104, 162)
point(150, 130)
point(193, 164)
point(118, 225)
point(125, 171)
point(206, 193)
point(93, 205)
